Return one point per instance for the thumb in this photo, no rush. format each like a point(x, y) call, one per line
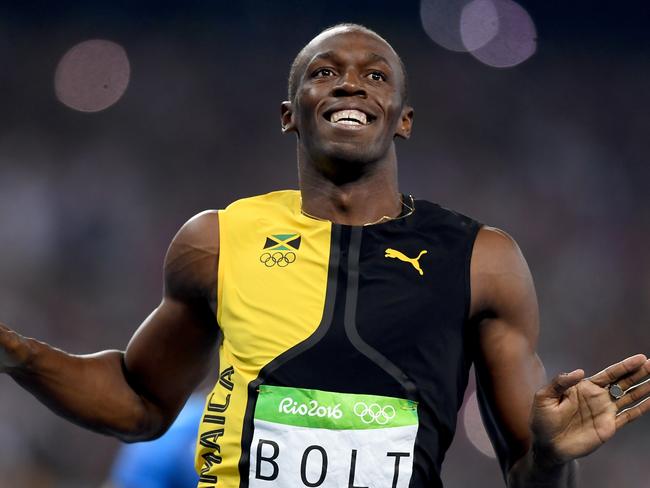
point(9, 343)
point(561, 383)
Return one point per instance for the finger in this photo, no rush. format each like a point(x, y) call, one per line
point(616, 371)
point(8, 337)
point(628, 415)
point(561, 383)
point(4, 330)
point(634, 394)
point(637, 377)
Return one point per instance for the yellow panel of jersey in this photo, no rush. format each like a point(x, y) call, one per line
point(273, 268)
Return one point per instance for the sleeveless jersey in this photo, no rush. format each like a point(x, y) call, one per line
point(345, 352)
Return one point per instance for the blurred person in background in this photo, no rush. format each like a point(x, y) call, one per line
point(343, 319)
point(167, 462)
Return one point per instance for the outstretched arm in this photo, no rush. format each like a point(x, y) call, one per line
point(135, 394)
point(538, 431)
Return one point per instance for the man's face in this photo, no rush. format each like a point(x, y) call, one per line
point(348, 104)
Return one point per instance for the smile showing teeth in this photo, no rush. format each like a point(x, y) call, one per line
point(349, 117)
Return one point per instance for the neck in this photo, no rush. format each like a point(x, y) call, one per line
point(368, 196)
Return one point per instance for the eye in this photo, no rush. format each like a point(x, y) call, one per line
point(377, 76)
point(322, 72)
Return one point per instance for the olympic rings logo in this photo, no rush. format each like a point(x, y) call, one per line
point(271, 259)
point(374, 413)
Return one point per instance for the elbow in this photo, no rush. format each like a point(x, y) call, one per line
point(139, 436)
point(146, 424)
point(142, 433)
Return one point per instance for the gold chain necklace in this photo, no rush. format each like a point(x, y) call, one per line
point(406, 211)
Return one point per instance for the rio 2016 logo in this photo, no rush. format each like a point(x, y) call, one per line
point(311, 409)
point(374, 413)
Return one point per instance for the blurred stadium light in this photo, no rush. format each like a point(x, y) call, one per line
point(92, 75)
point(499, 33)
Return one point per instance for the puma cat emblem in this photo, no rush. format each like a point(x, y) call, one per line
point(394, 253)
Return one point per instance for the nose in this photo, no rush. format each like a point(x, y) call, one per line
point(349, 85)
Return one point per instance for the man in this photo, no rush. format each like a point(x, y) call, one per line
point(349, 316)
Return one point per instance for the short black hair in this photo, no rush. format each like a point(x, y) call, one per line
point(294, 73)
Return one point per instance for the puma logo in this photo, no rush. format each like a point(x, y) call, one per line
point(394, 253)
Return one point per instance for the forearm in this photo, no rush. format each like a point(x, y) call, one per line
point(91, 391)
point(530, 472)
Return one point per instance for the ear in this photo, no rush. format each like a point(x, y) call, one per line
point(405, 123)
point(287, 119)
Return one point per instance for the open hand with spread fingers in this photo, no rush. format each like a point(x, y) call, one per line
point(573, 416)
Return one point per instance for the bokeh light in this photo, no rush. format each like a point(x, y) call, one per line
point(92, 75)
point(479, 24)
point(441, 21)
point(474, 428)
point(514, 41)
point(499, 33)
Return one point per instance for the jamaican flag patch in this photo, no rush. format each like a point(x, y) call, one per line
point(280, 250)
point(283, 242)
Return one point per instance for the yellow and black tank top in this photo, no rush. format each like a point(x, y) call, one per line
point(345, 350)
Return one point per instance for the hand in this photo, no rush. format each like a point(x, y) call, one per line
point(9, 347)
point(573, 416)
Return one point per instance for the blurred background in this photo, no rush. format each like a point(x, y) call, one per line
point(120, 120)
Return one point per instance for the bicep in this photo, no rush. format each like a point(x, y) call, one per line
point(508, 369)
point(174, 348)
point(170, 353)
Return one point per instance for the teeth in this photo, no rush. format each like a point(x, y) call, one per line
point(349, 117)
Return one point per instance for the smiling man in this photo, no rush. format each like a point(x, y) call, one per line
point(346, 316)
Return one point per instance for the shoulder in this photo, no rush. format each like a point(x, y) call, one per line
point(201, 229)
point(499, 274)
point(495, 250)
point(193, 255)
point(454, 228)
point(246, 210)
point(436, 212)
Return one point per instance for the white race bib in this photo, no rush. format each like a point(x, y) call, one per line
point(324, 439)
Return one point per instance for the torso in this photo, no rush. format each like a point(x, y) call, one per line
point(337, 318)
